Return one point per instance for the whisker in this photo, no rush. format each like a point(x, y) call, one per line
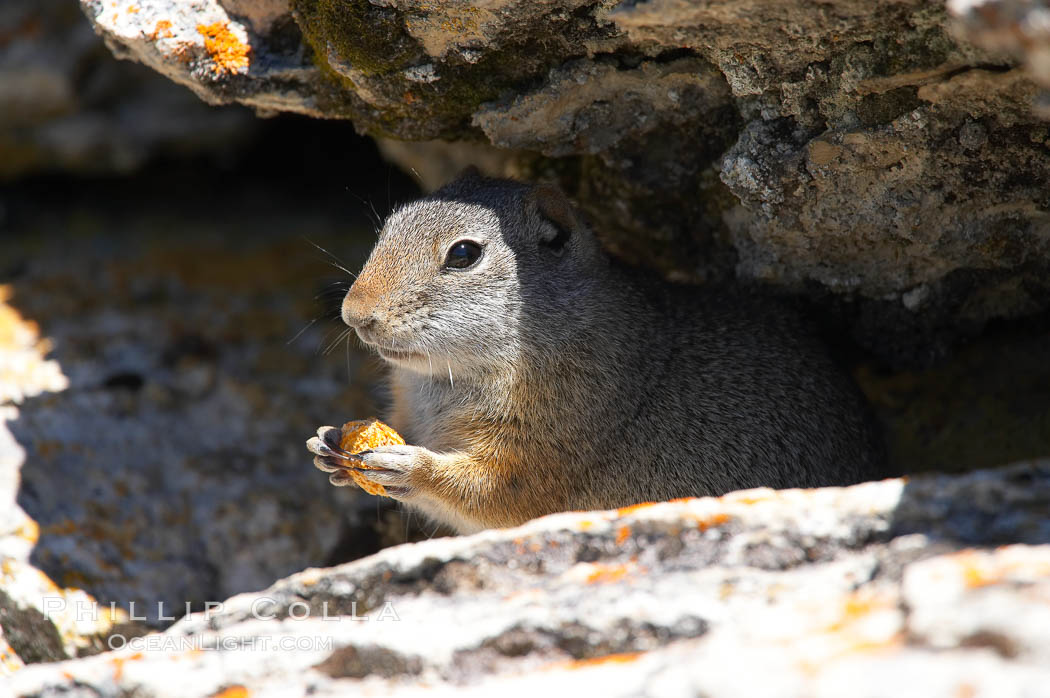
point(379, 219)
point(342, 268)
point(374, 215)
point(450, 382)
point(333, 284)
point(348, 378)
point(326, 336)
point(305, 328)
point(330, 293)
point(338, 262)
point(344, 334)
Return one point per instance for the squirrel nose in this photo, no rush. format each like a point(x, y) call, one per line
point(356, 311)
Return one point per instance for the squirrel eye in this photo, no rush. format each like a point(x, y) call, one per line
point(463, 254)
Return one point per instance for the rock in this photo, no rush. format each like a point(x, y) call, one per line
point(932, 587)
point(917, 216)
point(156, 436)
point(69, 107)
point(39, 621)
point(591, 108)
point(434, 163)
point(43, 622)
point(250, 52)
point(862, 155)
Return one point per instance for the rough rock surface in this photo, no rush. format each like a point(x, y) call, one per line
point(67, 106)
point(153, 406)
point(867, 154)
point(26, 593)
point(938, 586)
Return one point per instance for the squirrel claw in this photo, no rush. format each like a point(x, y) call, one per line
point(341, 479)
point(322, 446)
point(330, 436)
point(326, 442)
point(329, 464)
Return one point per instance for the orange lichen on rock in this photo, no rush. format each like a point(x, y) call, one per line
point(24, 372)
point(714, 520)
point(975, 574)
point(237, 691)
point(161, 31)
point(756, 496)
point(605, 574)
point(13, 327)
point(229, 53)
point(624, 511)
point(619, 658)
point(978, 568)
point(118, 664)
point(29, 531)
point(361, 435)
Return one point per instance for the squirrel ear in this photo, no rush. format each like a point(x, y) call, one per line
point(555, 207)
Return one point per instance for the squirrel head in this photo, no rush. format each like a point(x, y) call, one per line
point(468, 278)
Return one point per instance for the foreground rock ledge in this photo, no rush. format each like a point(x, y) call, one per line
point(936, 586)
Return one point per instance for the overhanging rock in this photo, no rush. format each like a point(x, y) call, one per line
point(865, 154)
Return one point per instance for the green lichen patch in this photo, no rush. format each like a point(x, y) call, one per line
point(368, 54)
point(371, 38)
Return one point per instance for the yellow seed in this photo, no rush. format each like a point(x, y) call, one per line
point(361, 435)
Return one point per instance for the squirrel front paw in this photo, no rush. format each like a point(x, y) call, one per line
point(393, 467)
point(389, 466)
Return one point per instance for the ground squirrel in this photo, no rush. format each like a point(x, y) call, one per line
point(532, 373)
